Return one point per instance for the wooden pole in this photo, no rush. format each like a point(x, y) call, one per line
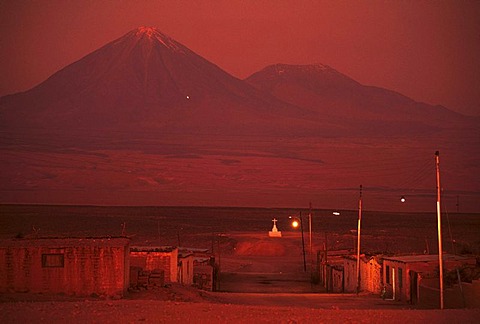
point(439, 228)
point(310, 233)
point(303, 244)
point(358, 238)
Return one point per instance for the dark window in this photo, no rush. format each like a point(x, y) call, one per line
point(400, 282)
point(52, 260)
point(387, 274)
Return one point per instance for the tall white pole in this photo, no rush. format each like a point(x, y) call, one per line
point(358, 239)
point(439, 228)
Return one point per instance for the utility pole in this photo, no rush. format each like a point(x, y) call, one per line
point(358, 238)
point(310, 232)
point(439, 227)
point(303, 244)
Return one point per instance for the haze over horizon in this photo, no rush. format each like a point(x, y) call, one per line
point(427, 51)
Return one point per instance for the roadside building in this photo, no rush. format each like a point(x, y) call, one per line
point(411, 278)
point(185, 268)
point(156, 259)
point(73, 266)
point(205, 272)
point(196, 266)
point(330, 266)
point(370, 273)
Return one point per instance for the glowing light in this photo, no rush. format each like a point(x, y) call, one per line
point(188, 97)
point(402, 199)
point(336, 213)
point(295, 223)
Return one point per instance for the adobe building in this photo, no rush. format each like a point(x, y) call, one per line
point(73, 266)
point(185, 268)
point(205, 271)
point(411, 278)
point(330, 269)
point(155, 259)
point(370, 273)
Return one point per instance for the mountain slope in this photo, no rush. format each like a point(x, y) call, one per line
point(338, 98)
point(142, 80)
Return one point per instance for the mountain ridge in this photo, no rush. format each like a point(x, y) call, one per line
point(147, 80)
point(319, 87)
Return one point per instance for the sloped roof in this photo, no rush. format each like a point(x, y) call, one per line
point(426, 258)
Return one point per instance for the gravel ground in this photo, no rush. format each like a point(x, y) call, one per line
point(177, 304)
point(150, 311)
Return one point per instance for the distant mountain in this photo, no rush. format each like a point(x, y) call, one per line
point(339, 99)
point(146, 80)
point(147, 83)
point(145, 121)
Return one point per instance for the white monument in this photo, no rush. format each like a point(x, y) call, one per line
point(274, 232)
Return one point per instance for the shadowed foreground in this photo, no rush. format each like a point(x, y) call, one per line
point(149, 311)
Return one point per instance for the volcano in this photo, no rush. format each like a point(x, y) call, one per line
point(144, 120)
point(340, 100)
point(145, 80)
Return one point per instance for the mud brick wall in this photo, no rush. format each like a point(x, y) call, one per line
point(185, 269)
point(153, 260)
point(371, 276)
point(72, 266)
point(203, 277)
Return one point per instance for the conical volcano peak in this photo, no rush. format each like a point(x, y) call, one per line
point(147, 31)
point(153, 35)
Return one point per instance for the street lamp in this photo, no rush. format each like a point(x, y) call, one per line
point(295, 223)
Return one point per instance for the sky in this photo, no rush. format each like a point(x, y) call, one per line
point(426, 50)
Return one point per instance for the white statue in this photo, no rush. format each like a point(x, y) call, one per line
point(275, 232)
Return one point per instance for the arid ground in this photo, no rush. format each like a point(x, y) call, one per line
point(262, 279)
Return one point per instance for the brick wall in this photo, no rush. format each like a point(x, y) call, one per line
point(152, 260)
point(71, 266)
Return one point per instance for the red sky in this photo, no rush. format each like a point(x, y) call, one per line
point(427, 50)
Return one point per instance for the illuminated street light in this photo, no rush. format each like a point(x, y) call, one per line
point(402, 199)
point(295, 222)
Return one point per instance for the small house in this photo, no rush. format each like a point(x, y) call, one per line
point(156, 259)
point(408, 278)
point(330, 269)
point(185, 268)
point(370, 273)
point(73, 266)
